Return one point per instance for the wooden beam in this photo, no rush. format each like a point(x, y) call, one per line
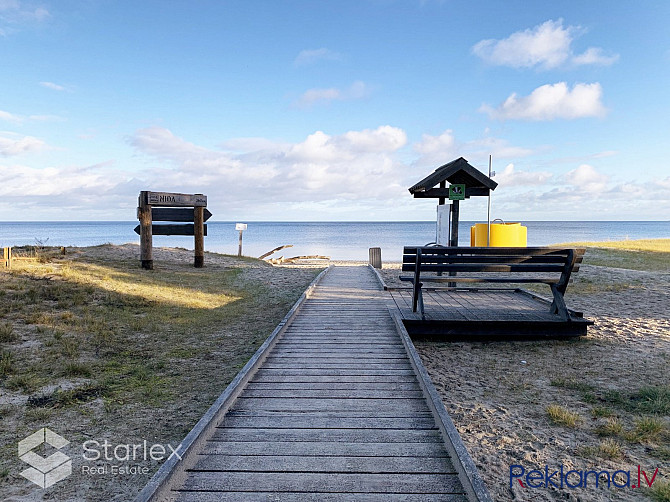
point(439, 193)
point(181, 214)
point(176, 229)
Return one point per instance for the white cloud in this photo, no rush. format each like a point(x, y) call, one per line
point(312, 96)
point(52, 86)
point(15, 12)
point(548, 45)
point(312, 56)
point(8, 5)
point(595, 56)
point(20, 119)
point(24, 181)
point(587, 179)
point(357, 90)
point(552, 101)
point(437, 150)
point(356, 165)
point(12, 144)
point(511, 177)
point(10, 117)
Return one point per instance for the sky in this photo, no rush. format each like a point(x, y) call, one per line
point(330, 110)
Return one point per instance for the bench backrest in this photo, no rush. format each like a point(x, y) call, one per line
point(492, 259)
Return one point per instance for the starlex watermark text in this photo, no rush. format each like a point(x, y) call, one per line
point(97, 458)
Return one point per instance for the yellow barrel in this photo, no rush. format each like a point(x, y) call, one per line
point(502, 235)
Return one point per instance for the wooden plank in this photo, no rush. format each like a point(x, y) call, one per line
point(318, 422)
point(293, 496)
point(169, 199)
point(331, 372)
point(179, 214)
point(337, 449)
point(344, 405)
point(176, 229)
point(334, 393)
point(328, 435)
point(323, 482)
point(325, 464)
point(274, 377)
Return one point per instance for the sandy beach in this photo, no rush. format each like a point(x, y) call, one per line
point(497, 393)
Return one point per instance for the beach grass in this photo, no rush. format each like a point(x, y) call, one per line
point(660, 491)
point(641, 254)
point(93, 343)
point(108, 321)
point(560, 415)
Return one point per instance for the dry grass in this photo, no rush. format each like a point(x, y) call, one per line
point(560, 415)
point(643, 254)
point(93, 346)
point(647, 245)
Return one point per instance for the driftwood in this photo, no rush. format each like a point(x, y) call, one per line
point(293, 259)
point(274, 251)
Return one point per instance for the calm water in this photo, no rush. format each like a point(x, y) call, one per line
point(339, 240)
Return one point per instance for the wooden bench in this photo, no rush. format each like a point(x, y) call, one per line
point(543, 265)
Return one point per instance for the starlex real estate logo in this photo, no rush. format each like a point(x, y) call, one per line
point(45, 471)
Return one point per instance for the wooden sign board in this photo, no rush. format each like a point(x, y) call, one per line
point(167, 199)
point(171, 207)
point(187, 229)
point(176, 214)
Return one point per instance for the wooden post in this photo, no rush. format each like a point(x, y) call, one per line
point(442, 200)
point(375, 258)
point(146, 236)
point(239, 248)
point(7, 257)
point(199, 233)
point(453, 241)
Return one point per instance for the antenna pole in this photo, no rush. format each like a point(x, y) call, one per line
point(488, 215)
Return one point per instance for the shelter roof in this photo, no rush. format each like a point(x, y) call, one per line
point(457, 171)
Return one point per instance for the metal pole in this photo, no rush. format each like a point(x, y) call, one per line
point(488, 215)
point(239, 249)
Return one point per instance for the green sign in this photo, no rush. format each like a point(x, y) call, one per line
point(456, 192)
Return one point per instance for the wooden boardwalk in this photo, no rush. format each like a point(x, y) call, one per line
point(463, 313)
point(335, 408)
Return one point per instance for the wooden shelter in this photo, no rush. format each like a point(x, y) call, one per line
point(456, 173)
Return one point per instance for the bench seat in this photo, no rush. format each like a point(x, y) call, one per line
point(530, 265)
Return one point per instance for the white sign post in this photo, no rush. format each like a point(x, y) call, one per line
point(442, 237)
point(241, 227)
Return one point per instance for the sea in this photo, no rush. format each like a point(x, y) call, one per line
point(337, 240)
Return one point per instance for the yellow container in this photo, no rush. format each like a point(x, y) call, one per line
point(502, 235)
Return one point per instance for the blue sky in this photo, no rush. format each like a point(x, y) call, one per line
point(330, 110)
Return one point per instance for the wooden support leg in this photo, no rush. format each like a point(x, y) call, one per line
point(558, 305)
point(421, 307)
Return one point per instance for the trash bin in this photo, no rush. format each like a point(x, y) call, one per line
point(502, 235)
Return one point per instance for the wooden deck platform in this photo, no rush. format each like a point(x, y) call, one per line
point(487, 312)
point(335, 406)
